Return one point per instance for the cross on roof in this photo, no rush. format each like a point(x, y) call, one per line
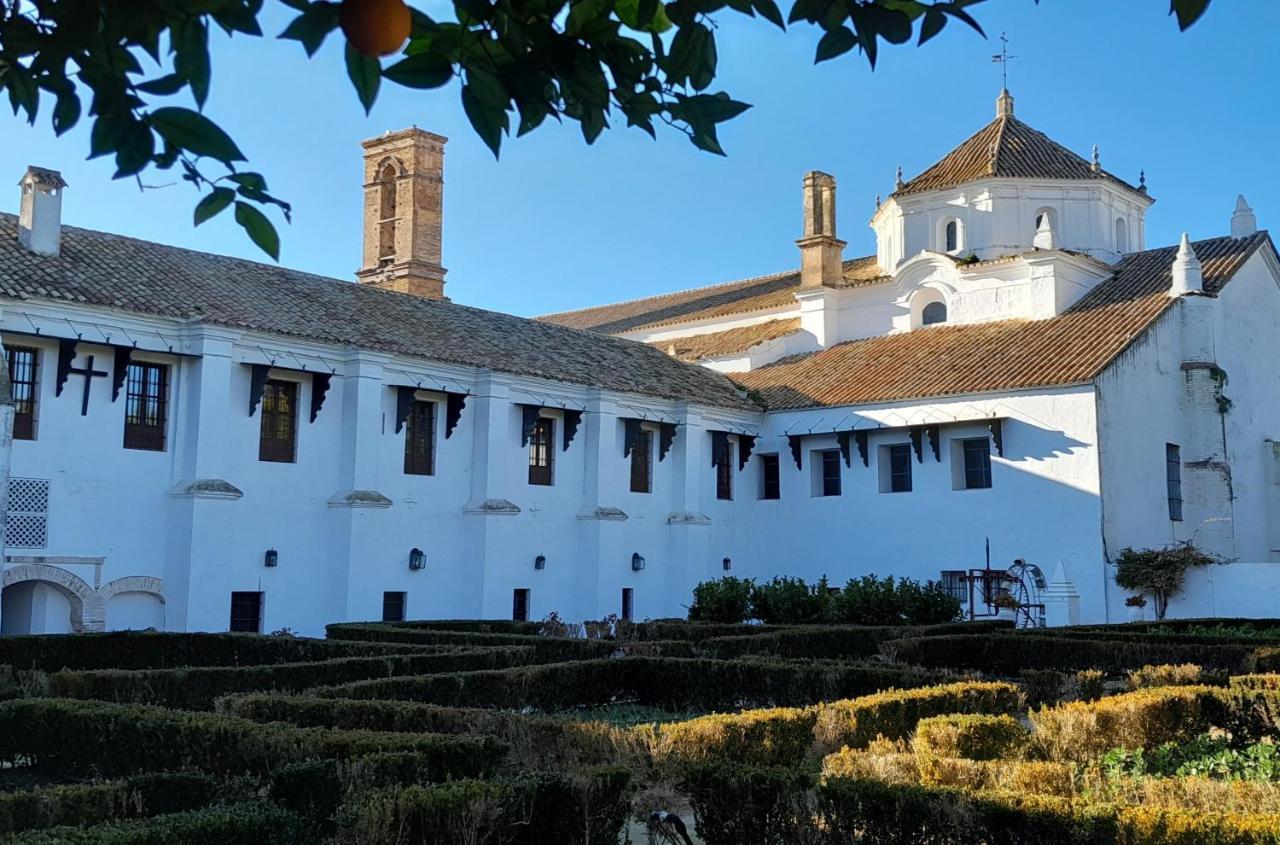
point(1003, 58)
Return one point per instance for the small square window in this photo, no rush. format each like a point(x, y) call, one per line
point(420, 439)
point(246, 612)
point(971, 464)
point(895, 468)
point(393, 607)
point(642, 462)
point(24, 381)
point(770, 480)
point(278, 437)
point(825, 464)
point(542, 452)
point(146, 406)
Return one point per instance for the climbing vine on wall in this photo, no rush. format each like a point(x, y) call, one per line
point(1220, 380)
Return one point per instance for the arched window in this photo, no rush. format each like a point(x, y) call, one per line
point(387, 212)
point(951, 235)
point(1122, 235)
point(1046, 229)
point(933, 313)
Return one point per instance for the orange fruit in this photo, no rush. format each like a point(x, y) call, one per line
point(375, 27)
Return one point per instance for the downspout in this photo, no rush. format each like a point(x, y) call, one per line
point(1102, 504)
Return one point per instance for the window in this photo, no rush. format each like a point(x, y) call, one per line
point(542, 452)
point(951, 236)
point(420, 439)
point(146, 406)
point(770, 483)
point(1173, 480)
point(724, 471)
point(246, 612)
point(642, 462)
point(24, 378)
point(520, 605)
point(1122, 235)
point(934, 312)
point(955, 582)
point(895, 468)
point(387, 221)
point(627, 604)
point(826, 472)
point(28, 526)
point(278, 440)
point(393, 607)
point(977, 463)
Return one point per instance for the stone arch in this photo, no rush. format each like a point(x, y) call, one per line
point(88, 609)
point(133, 584)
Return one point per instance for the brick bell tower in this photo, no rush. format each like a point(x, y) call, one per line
point(404, 212)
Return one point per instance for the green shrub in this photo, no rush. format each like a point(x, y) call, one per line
point(1090, 684)
point(790, 601)
point(471, 626)
point(1081, 731)
point(1008, 653)
point(1042, 686)
point(735, 804)
point(1205, 756)
point(143, 795)
point(974, 736)
point(775, 737)
point(725, 600)
point(236, 824)
point(894, 714)
point(1159, 572)
point(874, 601)
point(546, 648)
point(1184, 674)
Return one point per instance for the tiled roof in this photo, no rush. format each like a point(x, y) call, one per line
point(728, 342)
point(1020, 152)
point(716, 301)
point(1071, 348)
point(112, 271)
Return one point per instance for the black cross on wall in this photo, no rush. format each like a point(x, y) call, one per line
point(89, 374)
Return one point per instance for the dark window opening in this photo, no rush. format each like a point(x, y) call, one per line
point(246, 612)
point(977, 464)
point(642, 462)
point(900, 468)
point(146, 406)
point(627, 603)
point(933, 313)
point(278, 440)
point(955, 582)
point(952, 235)
point(830, 469)
point(25, 384)
point(420, 439)
point(724, 472)
point(542, 452)
point(520, 605)
point(393, 604)
point(1173, 480)
point(770, 480)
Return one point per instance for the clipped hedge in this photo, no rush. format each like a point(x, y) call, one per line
point(549, 649)
point(160, 650)
point(143, 795)
point(763, 805)
point(834, 641)
point(63, 736)
point(894, 714)
point(670, 683)
point(237, 824)
point(776, 737)
point(195, 688)
point(973, 736)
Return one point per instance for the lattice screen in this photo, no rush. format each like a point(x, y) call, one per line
point(28, 513)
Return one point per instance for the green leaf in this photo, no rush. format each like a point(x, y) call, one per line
point(191, 59)
point(769, 11)
point(23, 93)
point(934, 21)
point(213, 203)
point(836, 42)
point(424, 70)
point(313, 25)
point(1187, 11)
point(488, 120)
point(366, 74)
point(134, 150)
point(164, 85)
point(66, 113)
point(195, 133)
point(259, 229)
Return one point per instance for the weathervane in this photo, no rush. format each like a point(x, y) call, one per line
point(1003, 58)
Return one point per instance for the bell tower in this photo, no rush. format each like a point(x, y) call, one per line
point(404, 212)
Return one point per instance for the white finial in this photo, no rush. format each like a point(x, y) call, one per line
point(1004, 104)
point(897, 181)
point(1096, 164)
point(1187, 275)
point(1243, 221)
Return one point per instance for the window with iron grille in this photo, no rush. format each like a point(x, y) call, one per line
point(146, 406)
point(826, 472)
point(28, 525)
point(977, 464)
point(955, 582)
point(642, 462)
point(420, 439)
point(724, 471)
point(628, 602)
point(246, 612)
point(278, 440)
point(542, 452)
point(520, 605)
point(900, 468)
point(24, 378)
point(393, 605)
point(770, 483)
point(1173, 479)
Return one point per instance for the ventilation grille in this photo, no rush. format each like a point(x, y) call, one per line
point(28, 526)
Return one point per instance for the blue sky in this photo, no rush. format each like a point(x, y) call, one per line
point(556, 224)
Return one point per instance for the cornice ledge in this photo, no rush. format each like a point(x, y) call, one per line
point(359, 499)
point(207, 488)
point(688, 518)
point(491, 507)
point(604, 512)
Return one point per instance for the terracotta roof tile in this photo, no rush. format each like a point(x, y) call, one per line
point(723, 300)
point(1020, 152)
point(96, 268)
point(728, 342)
point(1008, 355)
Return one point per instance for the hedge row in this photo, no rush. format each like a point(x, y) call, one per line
point(143, 795)
point(546, 648)
point(1008, 654)
point(196, 688)
point(648, 630)
point(159, 650)
point(669, 683)
point(79, 738)
point(835, 641)
point(251, 823)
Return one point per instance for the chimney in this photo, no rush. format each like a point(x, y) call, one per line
point(40, 210)
point(1187, 277)
point(403, 213)
point(821, 252)
point(1243, 221)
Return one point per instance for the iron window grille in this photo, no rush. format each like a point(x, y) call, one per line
point(977, 464)
point(770, 481)
point(28, 525)
point(146, 407)
point(900, 468)
point(279, 434)
point(542, 452)
point(956, 583)
point(830, 472)
point(642, 462)
point(1173, 480)
point(724, 472)
point(24, 379)
point(393, 607)
point(420, 439)
point(246, 612)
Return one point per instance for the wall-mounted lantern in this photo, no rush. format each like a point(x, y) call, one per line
point(727, 563)
point(417, 560)
point(540, 562)
point(271, 558)
point(637, 562)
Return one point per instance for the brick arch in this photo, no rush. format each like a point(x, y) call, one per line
point(88, 609)
point(132, 584)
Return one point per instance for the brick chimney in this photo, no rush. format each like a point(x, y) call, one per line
point(40, 210)
point(404, 212)
point(821, 252)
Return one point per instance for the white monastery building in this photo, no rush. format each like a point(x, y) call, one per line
point(204, 443)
